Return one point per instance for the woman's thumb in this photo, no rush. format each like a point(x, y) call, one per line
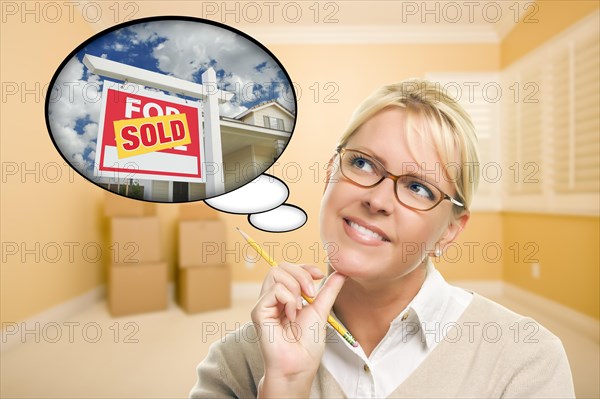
point(327, 294)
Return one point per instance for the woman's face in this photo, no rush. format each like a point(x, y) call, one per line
point(350, 214)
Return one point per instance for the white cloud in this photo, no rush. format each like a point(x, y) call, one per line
point(75, 99)
point(120, 47)
point(230, 109)
point(189, 47)
point(286, 98)
point(90, 131)
point(78, 160)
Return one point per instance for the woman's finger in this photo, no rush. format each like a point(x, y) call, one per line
point(304, 275)
point(281, 276)
point(272, 302)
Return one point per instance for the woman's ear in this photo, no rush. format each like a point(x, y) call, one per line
point(456, 225)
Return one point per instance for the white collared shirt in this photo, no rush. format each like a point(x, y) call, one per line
point(411, 337)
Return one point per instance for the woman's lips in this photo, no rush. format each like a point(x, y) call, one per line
point(364, 233)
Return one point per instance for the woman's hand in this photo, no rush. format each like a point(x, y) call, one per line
point(292, 337)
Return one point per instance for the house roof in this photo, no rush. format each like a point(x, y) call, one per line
point(265, 105)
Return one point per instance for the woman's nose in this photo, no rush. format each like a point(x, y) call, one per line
point(381, 198)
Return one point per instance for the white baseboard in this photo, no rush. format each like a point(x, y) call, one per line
point(55, 314)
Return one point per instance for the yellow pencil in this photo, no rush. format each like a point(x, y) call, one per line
point(341, 330)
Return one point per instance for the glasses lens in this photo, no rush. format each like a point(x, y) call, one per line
point(417, 193)
point(361, 168)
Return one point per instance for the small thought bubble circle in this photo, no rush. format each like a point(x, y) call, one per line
point(281, 219)
point(262, 194)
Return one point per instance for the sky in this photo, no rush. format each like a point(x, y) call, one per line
point(183, 49)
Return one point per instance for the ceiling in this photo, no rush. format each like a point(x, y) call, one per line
point(358, 21)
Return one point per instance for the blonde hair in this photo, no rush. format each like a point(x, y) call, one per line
point(431, 114)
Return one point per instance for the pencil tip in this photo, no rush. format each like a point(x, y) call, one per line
point(242, 233)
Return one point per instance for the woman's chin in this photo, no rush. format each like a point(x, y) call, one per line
point(354, 268)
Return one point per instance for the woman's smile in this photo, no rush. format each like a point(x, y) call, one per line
point(364, 233)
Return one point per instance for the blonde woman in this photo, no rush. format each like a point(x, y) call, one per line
point(400, 186)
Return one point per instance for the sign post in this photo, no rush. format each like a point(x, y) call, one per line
point(213, 152)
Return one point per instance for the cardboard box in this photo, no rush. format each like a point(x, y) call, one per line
point(204, 288)
point(118, 206)
point(135, 240)
point(201, 242)
point(197, 211)
point(137, 289)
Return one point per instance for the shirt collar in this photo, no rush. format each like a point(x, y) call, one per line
point(428, 305)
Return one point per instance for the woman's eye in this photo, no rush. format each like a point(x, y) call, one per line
point(363, 164)
point(420, 190)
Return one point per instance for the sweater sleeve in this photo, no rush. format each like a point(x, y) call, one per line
point(231, 369)
point(546, 374)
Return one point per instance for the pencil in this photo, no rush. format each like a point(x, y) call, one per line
point(337, 326)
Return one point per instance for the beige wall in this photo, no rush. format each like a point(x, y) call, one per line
point(566, 247)
point(332, 80)
point(477, 253)
point(53, 208)
point(552, 17)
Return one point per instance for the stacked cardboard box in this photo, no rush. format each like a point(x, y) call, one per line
point(204, 279)
point(137, 278)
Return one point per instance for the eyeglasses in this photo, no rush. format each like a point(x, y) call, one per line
point(411, 191)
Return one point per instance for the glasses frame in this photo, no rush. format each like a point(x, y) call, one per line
point(342, 150)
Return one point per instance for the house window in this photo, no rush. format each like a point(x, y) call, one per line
point(273, 123)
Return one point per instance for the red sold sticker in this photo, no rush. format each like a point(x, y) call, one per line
point(144, 135)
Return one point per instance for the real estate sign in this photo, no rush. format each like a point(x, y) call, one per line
point(144, 134)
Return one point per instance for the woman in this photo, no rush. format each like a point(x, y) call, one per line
point(399, 189)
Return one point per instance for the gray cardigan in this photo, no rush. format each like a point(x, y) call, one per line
point(495, 353)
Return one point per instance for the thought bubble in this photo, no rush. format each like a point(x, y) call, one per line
point(262, 194)
point(125, 109)
point(281, 219)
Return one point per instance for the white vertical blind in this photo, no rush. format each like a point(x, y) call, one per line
point(555, 140)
